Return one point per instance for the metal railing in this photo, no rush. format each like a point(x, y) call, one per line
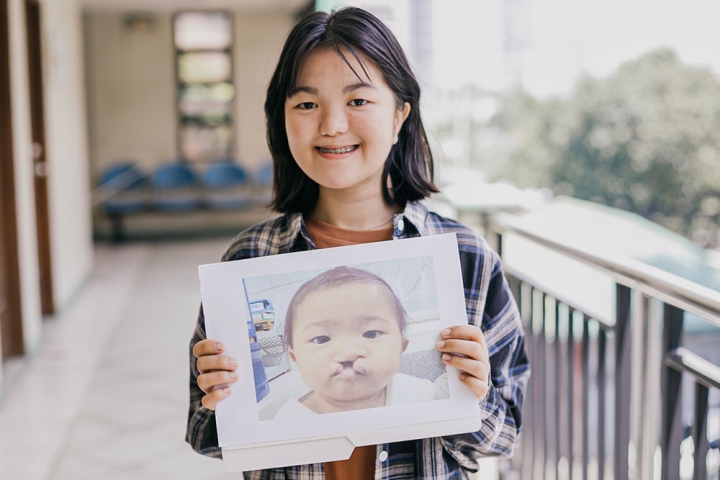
point(605, 398)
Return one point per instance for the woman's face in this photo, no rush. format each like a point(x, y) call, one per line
point(341, 128)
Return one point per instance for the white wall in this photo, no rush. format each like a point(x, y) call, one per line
point(24, 176)
point(132, 88)
point(66, 147)
point(68, 186)
point(259, 38)
point(131, 91)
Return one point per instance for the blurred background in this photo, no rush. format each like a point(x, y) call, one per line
point(579, 137)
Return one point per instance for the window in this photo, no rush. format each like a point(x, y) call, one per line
point(204, 72)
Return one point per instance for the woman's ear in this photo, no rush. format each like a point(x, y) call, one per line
point(401, 114)
point(405, 343)
point(291, 352)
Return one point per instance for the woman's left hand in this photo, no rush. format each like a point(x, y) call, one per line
point(464, 347)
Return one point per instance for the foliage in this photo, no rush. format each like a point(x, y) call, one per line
point(645, 139)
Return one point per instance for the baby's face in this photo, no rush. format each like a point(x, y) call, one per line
point(347, 344)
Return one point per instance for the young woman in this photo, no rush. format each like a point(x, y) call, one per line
point(351, 163)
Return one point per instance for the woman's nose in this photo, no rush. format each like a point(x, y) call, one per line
point(334, 122)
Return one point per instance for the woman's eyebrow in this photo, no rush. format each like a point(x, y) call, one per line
point(347, 89)
point(355, 86)
point(298, 89)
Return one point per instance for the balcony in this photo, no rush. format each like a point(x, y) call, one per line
point(623, 325)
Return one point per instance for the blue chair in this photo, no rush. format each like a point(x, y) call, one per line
point(123, 190)
point(122, 185)
point(175, 188)
point(263, 181)
point(225, 187)
point(264, 175)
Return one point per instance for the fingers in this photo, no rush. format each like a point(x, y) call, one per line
point(467, 348)
point(208, 381)
point(211, 400)
point(207, 347)
point(209, 363)
point(464, 348)
point(464, 340)
point(465, 332)
point(478, 387)
point(470, 366)
point(216, 370)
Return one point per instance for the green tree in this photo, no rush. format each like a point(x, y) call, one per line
point(645, 139)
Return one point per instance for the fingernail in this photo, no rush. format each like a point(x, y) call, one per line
point(440, 344)
point(226, 390)
point(218, 346)
point(462, 376)
point(233, 362)
point(233, 375)
point(446, 332)
point(446, 357)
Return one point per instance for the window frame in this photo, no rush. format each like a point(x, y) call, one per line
point(179, 84)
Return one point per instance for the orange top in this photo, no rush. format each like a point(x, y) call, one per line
point(361, 464)
point(325, 235)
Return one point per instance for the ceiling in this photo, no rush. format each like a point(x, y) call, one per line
point(155, 5)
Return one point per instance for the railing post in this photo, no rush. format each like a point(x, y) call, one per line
point(699, 432)
point(671, 383)
point(602, 346)
point(623, 379)
point(585, 397)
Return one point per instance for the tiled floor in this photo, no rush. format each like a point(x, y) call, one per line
point(105, 396)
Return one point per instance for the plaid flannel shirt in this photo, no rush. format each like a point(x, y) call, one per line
point(489, 305)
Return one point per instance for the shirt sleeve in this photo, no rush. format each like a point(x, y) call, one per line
point(201, 428)
point(501, 408)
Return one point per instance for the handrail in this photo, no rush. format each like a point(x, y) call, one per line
point(670, 288)
point(647, 363)
point(705, 372)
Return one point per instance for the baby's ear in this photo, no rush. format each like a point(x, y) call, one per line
point(291, 352)
point(405, 343)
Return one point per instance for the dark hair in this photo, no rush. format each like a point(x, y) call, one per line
point(409, 164)
point(337, 277)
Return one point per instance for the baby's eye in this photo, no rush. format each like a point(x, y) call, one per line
point(320, 339)
point(306, 105)
point(358, 102)
point(372, 334)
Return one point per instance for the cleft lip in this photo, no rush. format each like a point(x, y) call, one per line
point(348, 369)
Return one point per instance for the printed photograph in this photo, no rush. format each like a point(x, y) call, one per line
point(345, 338)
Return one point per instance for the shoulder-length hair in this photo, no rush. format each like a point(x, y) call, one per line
point(409, 165)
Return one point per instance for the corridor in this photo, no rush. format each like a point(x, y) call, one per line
point(105, 394)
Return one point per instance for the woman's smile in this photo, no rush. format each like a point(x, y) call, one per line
point(336, 153)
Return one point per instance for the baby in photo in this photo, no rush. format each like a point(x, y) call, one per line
point(345, 331)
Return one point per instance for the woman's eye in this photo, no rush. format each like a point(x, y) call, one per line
point(358, 102)
point(320, 339)
point(372, 334)
point(306, 105)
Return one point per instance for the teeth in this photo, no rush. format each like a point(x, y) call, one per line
point(337, 150)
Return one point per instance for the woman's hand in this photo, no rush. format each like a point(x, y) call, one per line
point(464, 348)
point(215, 369)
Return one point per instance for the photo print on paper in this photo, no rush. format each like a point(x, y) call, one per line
point(345, 338)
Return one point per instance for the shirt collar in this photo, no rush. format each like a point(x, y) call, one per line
point(413, 217)
point(295, 234)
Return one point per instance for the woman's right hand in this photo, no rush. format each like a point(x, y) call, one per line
point(215, 369)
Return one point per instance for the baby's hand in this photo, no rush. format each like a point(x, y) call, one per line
point(215, 369)
point(464, 347)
